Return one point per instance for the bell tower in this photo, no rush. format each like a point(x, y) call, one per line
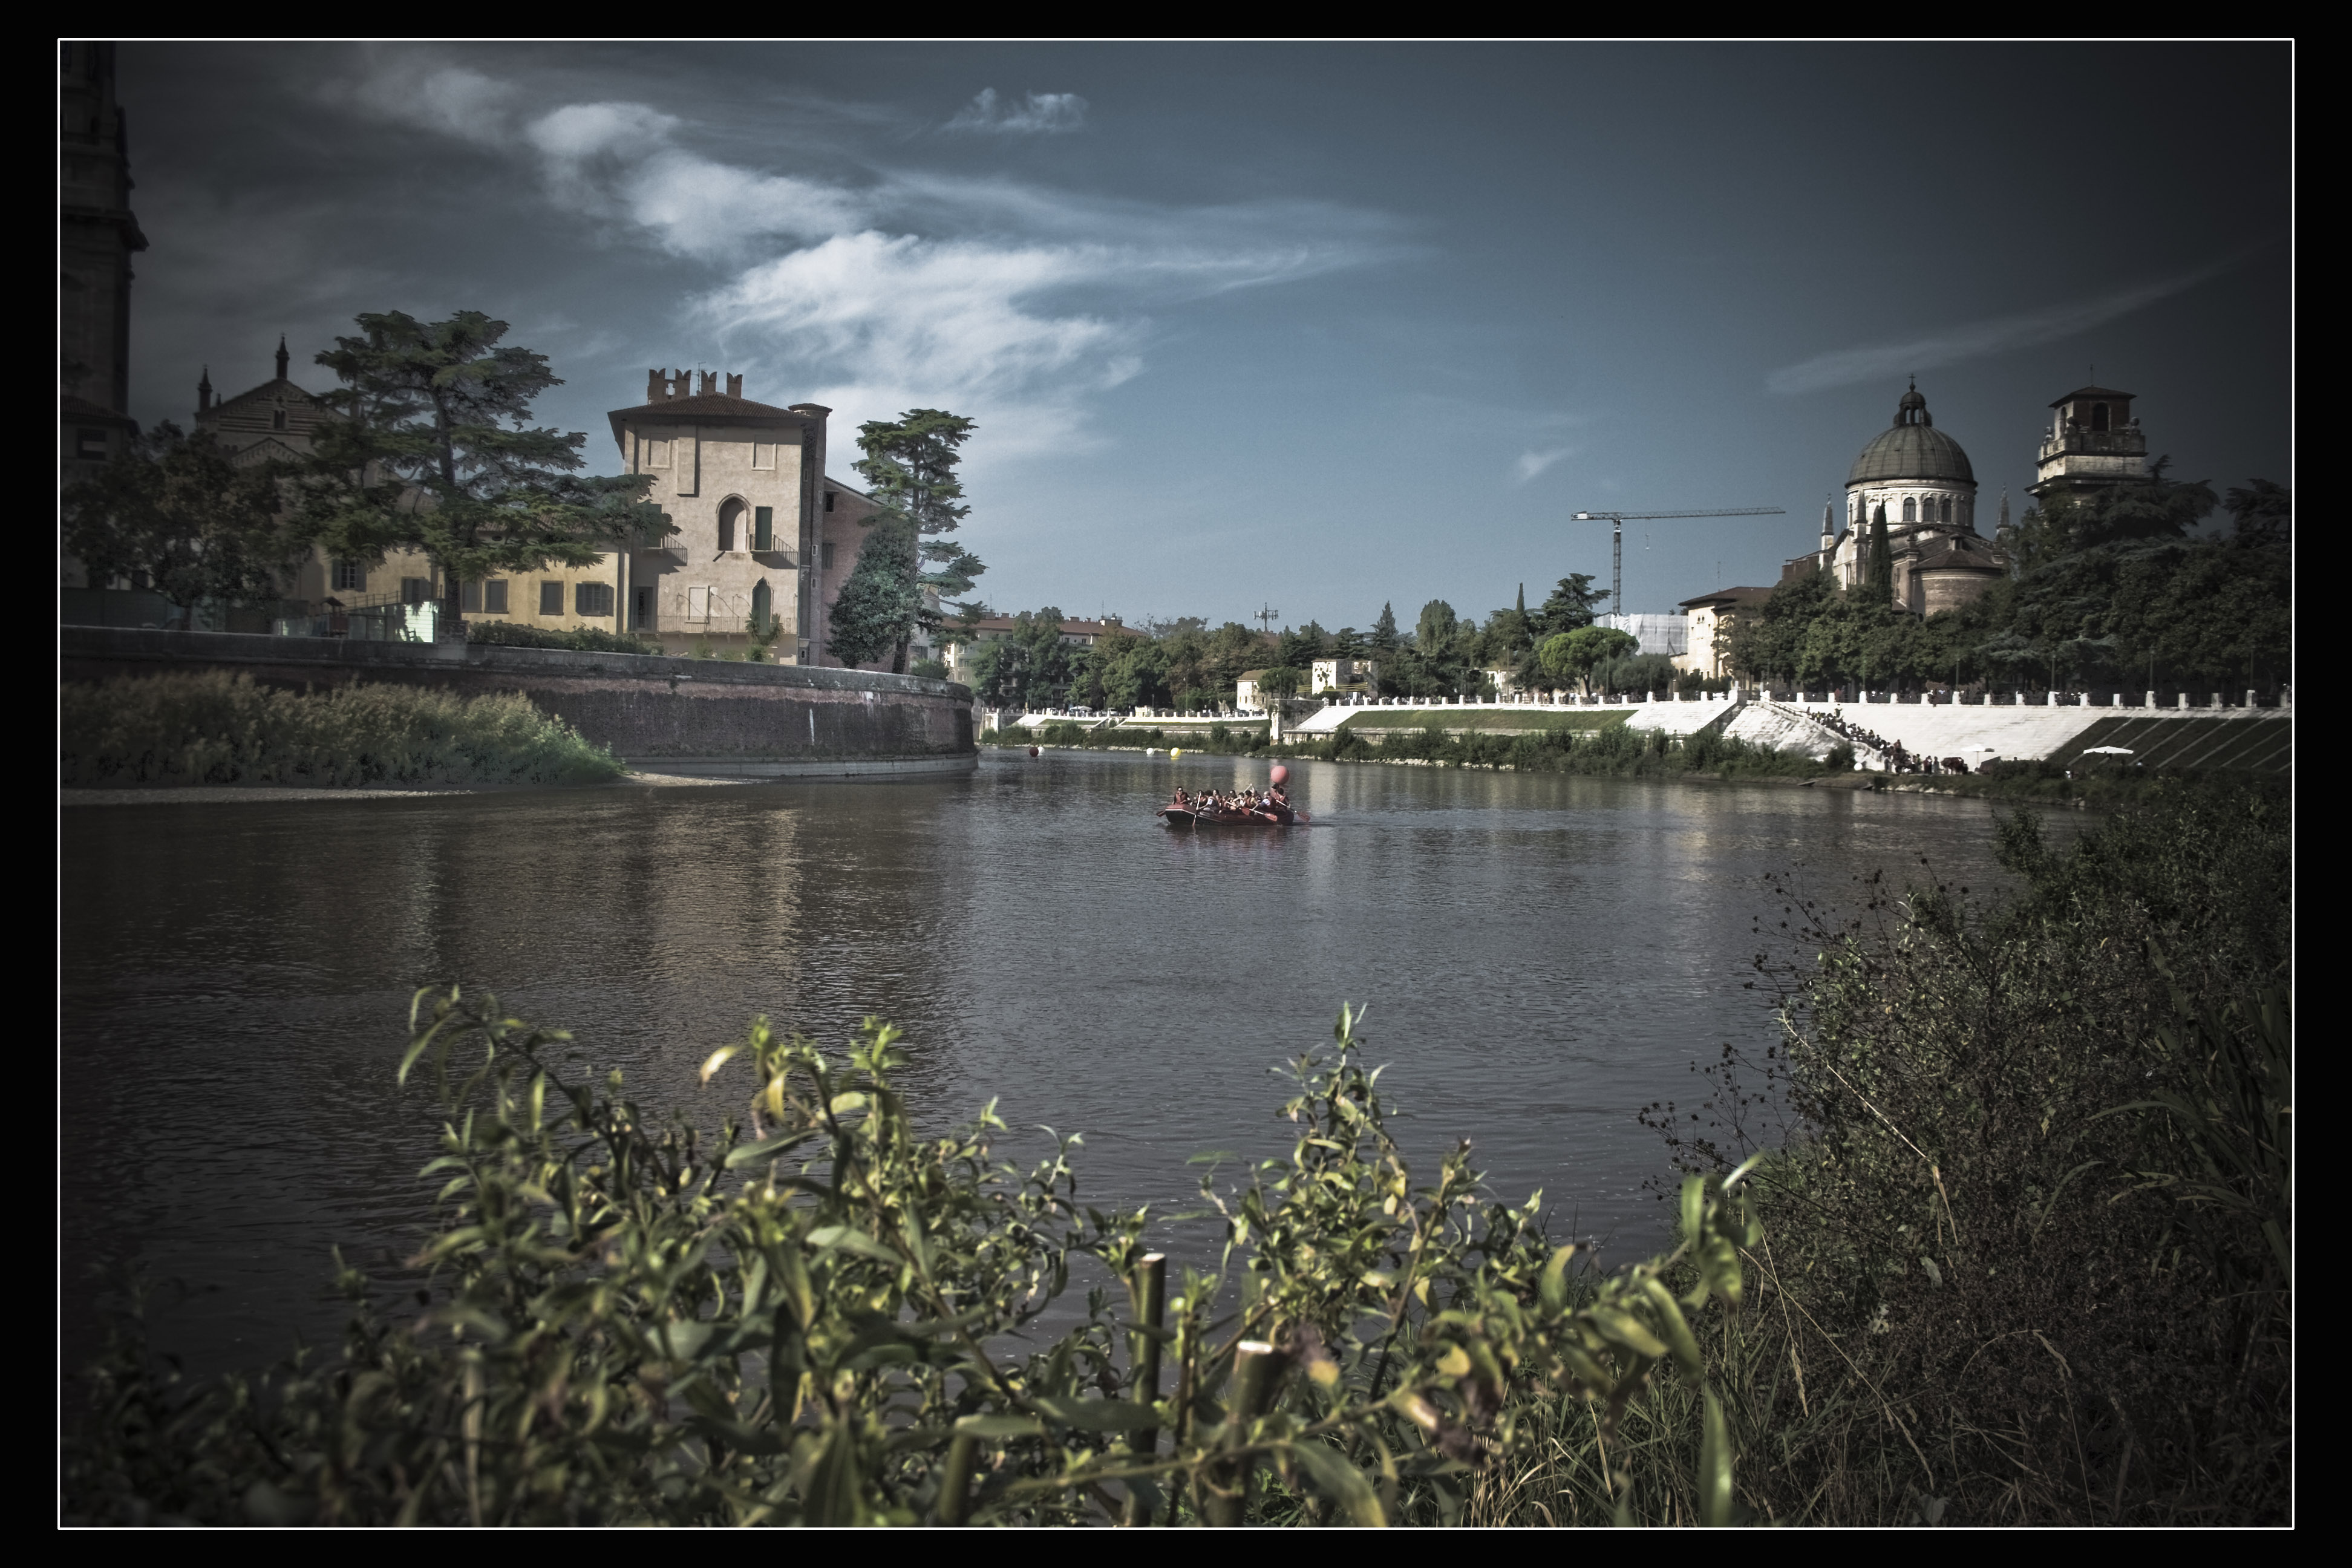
point(2095, 442)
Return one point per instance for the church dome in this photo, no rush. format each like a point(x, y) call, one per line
point(1913, 448)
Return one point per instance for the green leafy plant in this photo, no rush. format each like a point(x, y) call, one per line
point(820, 1313)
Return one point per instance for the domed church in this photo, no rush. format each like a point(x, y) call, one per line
point(1919, 479)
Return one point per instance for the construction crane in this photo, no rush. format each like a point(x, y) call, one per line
point(1616, 519)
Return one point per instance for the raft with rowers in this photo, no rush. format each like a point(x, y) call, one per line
point(1242, 808)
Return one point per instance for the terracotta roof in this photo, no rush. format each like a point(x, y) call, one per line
point(1731, 596)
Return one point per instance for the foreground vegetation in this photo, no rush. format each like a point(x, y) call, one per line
point(214, 728)
point(2030, 1211)
point(2000, 1232)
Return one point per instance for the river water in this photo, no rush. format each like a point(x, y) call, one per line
point(1541, 955)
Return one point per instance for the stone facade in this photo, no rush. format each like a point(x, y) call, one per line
point(2095, 441)
point(97, 237)
point(1711, 619)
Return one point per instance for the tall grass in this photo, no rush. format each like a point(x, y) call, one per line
point(214, 728)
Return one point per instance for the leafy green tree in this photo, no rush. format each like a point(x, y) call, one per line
point(1384, 639)
point(434, 451)
point(910, 466)
point(1568, 657)
point(2264, 512)
point(878, 605)
point(1349, 643)
point(1434, 633)
point(184, 516)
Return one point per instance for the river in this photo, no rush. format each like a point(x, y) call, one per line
point(1541, 955)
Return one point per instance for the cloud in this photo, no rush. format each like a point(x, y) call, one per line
point(1531, 464)
point(1015, 303)
point(1997, 334)
point(1040, 114)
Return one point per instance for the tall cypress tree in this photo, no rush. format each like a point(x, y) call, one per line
point(436, 452)
point(1878, 571)
point(1384, 637)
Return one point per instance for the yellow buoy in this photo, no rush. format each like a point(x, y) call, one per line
point(1175, 751)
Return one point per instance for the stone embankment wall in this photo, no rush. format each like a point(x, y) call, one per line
point(669, 715)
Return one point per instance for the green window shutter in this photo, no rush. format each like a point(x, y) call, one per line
point(761, 604)
point(763, 528)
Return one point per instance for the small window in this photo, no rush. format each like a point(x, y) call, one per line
point(416, 590)
point(656, 454)
point(1910, 508)
point(90, 444)
point(593, 598)
point(351, 577)
point(469, 598)
point(2098, 416)
point(277, 419)
point(551, 598)
point(828, 500)
point(763, 454)
point(763, 528)
point(825, 556)
point(761, 601)
point(494, 597)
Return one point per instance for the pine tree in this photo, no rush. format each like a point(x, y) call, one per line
point(436, 452)
point(1384, 639)
point(911, 464)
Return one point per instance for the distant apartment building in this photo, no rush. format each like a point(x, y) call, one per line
point(1712, 617)
point(1341, 676)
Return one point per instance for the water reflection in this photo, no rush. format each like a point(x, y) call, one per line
point(1540, 956)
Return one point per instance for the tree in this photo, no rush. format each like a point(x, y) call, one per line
point(1878, 568)
point(1570, 656)
point(1434, 633)
point(910, 465)
point(1384, 639)
point(436, 452)
point(1280, 680)
point(182, 514)
point(879, 604)
point(1571, 605)
point(1349, 643)
point(2264, 513)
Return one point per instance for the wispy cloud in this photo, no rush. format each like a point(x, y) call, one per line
point(1013, 303)
point(1977, 339)
point(1039, 114)
point(1531, 464)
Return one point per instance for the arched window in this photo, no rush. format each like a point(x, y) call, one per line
point(2098, 416)
point(760, 603)
point(1910, 508)
point(730, 515)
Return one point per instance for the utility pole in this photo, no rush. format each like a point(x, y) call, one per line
point(1616, 519)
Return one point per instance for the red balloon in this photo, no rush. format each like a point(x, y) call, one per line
point(1032, 751)
point(1280, 773)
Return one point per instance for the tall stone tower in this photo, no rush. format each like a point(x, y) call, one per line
point(2095, 442)
point(98, 233)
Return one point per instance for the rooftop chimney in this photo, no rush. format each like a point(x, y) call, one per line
point(709, 383)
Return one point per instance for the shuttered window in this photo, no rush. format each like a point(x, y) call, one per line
point(763, 528)
point(551, 598)
point(592, 598)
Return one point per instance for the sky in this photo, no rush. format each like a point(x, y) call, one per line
point(1300, 327)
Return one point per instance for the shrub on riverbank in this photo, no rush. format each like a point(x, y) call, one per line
point(214, 728)
point(2030, 1237)
point(818, 1314)
point(585, 639)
